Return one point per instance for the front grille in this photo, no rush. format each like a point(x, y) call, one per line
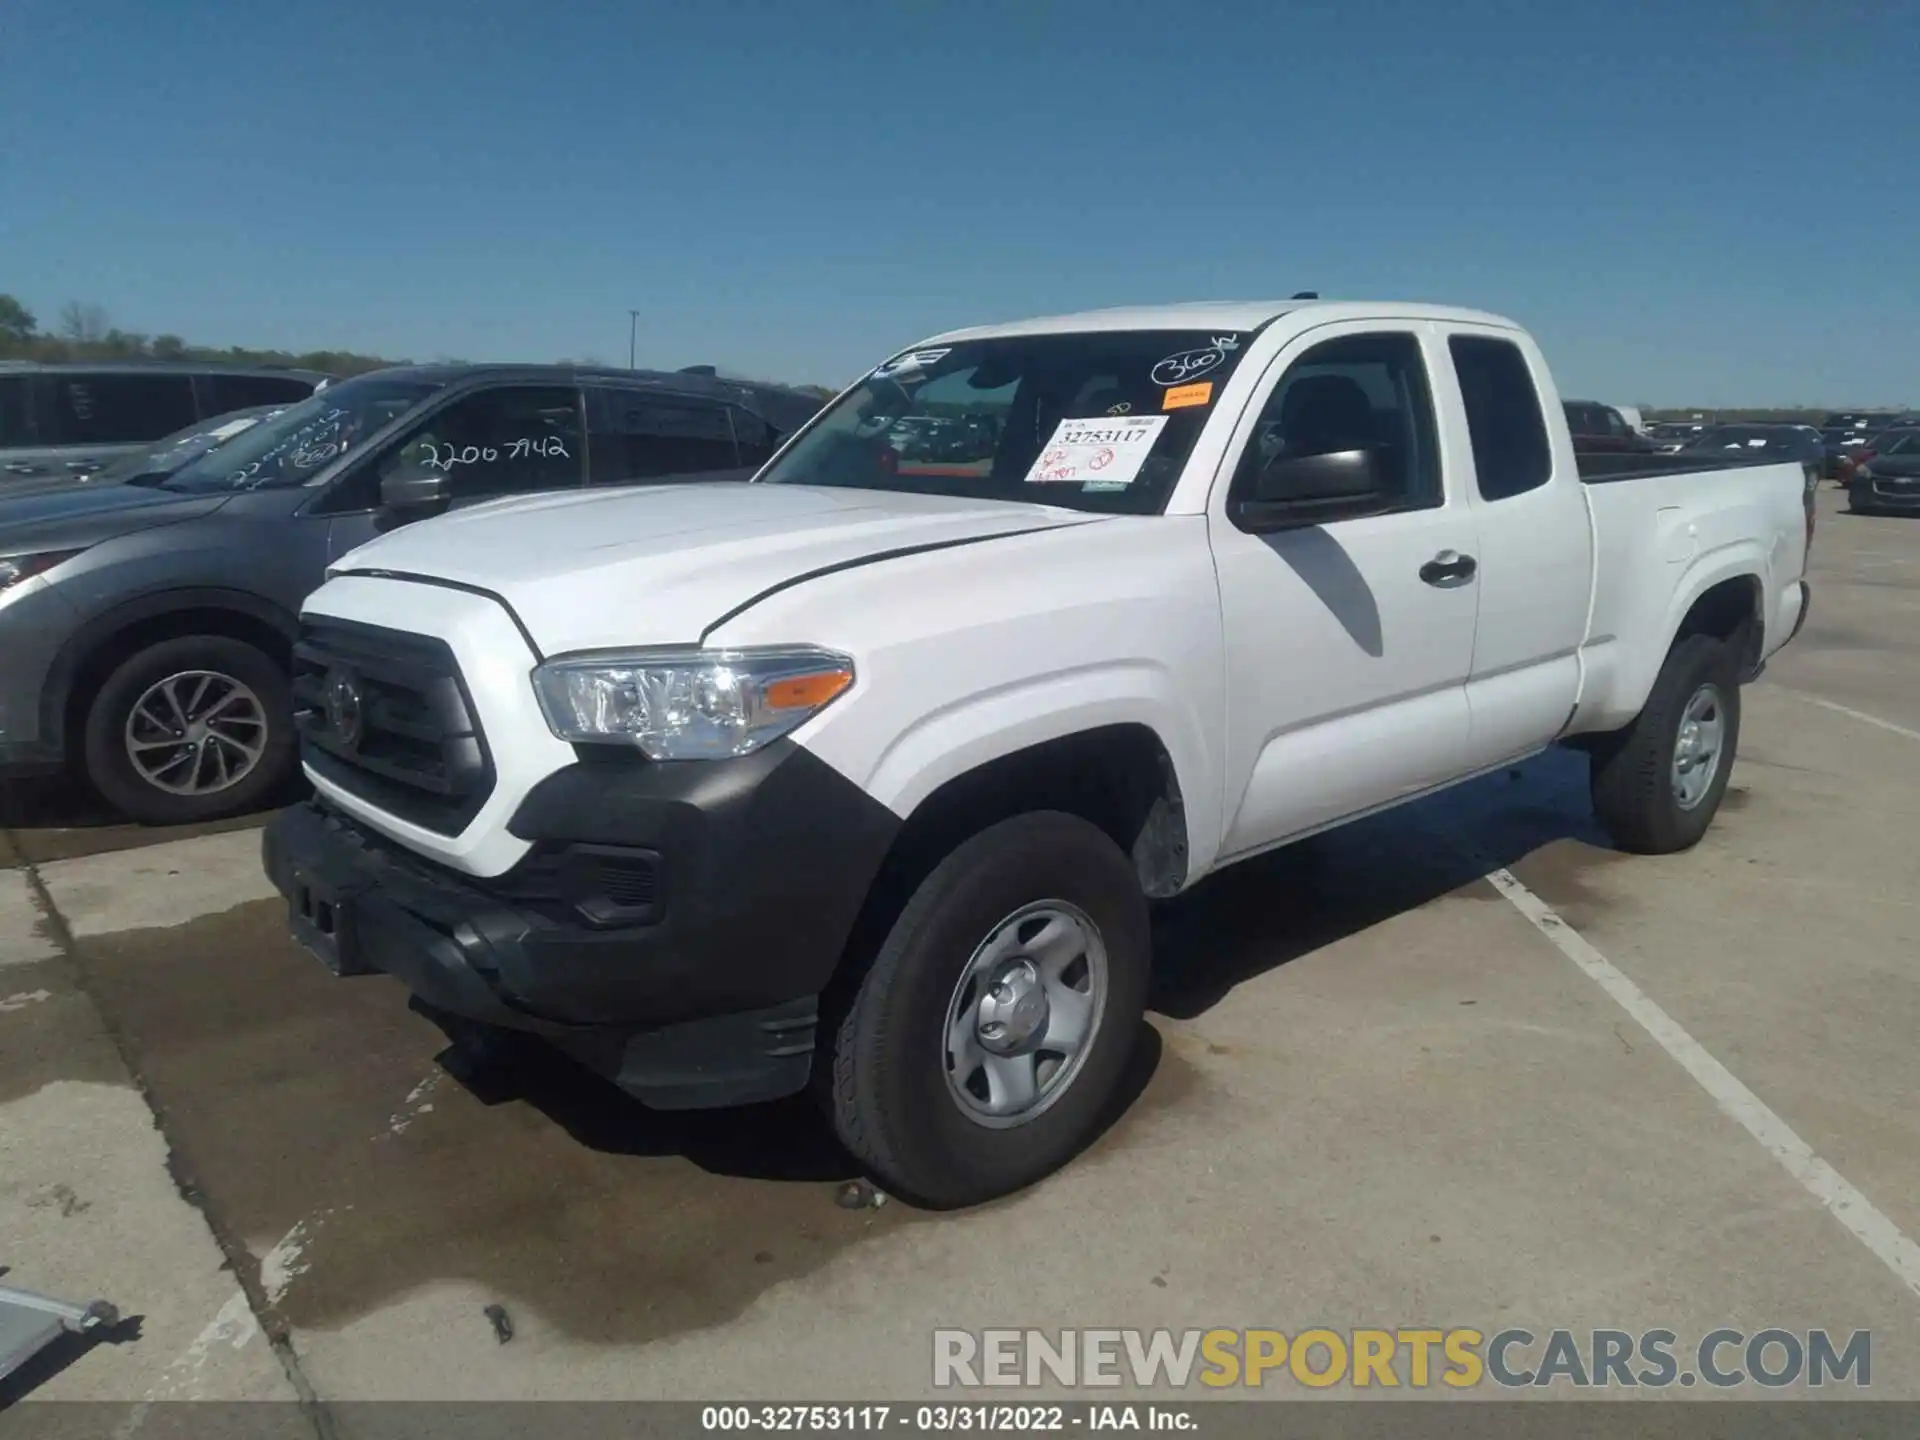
point(384, 715)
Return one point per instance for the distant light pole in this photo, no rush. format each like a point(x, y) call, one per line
point(633, 324)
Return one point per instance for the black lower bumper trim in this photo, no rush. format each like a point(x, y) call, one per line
point(672, 926)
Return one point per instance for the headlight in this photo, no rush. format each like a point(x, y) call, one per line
point(689, 704)
point(15, 568)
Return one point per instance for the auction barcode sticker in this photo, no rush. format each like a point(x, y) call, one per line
point(1108, 450)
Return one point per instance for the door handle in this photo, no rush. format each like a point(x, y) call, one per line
point(1449, 568)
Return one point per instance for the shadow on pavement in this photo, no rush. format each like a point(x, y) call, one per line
point(60, 819)
point(786, 1140)
point(1259, 915)
point(64, 1350)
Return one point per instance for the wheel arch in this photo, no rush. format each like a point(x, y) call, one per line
point(1120, 777)
point(1732, 609)
point(93, 651)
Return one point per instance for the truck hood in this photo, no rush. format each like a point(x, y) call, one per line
point(81, 514)
point(660, 565)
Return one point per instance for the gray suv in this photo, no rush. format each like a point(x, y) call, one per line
point(67, 421)
point(147, 629)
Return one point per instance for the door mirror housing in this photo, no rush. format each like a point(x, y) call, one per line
point(1303, 490)
point(413, 492)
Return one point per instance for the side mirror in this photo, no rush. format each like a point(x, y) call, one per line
point(413, 492)
point(1303, 490)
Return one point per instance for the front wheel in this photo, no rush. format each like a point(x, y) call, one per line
point(191, 729)
point(1658, 782)
point(986, 1044)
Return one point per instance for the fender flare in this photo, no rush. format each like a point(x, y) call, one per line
point(953, 741)
point(1741, 561)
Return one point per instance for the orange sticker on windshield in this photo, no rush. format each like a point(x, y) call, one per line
point(1182, 396)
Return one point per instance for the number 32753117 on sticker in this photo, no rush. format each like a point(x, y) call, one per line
point(1109, 450)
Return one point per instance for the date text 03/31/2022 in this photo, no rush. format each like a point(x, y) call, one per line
point(936, 1419)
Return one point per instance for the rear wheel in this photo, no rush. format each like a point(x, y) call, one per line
point(1658, 782)
point(190, 729)
point(986, 1044)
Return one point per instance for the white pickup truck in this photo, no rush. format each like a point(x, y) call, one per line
point(864, 773)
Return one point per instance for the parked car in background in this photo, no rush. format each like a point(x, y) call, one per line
point(1672, 435)
point(1889, 478)
point(865, 773)
point(151, 462)
point(1858, 445)
point(66, 421)
point(147, 628)
point(1799, 443)
point(1602, 430)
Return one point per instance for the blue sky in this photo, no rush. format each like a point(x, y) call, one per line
point(1688, 202)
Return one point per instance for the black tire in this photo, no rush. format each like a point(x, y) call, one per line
point(110, 770)
point(889, 1096)
point(1632, 776)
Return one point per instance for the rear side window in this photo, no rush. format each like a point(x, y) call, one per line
point(243, 392)
point(1509, 434)
point(16, 428)
point(123, 409)
point(636, 436)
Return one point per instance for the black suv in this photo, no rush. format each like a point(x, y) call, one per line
point(59, 421)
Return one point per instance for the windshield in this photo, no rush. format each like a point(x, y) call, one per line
point(1907, 442)
point(292, 447)
point(162, 458)
point(1098, 421)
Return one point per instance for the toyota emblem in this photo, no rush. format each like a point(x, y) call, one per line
point(345, 715)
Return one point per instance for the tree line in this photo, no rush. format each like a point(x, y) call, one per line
point(86, 332)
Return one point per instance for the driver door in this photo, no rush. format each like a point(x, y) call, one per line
point(1349, 640)
point(486, 444)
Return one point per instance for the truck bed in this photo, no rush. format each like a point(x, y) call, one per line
point(1683, 525)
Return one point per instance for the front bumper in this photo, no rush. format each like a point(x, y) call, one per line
point(1876, 494)
point(34, 623)
point(672, 927)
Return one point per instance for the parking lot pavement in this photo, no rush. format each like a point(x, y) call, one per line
point(1375, 1092)
point(88, 1209)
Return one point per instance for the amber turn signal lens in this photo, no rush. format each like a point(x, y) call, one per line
point(807, 692)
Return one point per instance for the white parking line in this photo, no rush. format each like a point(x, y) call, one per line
point(1849, 711)
point(1827, 1185)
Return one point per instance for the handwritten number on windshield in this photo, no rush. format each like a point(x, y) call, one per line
point(1188, 363)
point(312, 445)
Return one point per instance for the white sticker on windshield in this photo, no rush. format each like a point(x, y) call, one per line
point(1108, 450)
point(912, 360)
